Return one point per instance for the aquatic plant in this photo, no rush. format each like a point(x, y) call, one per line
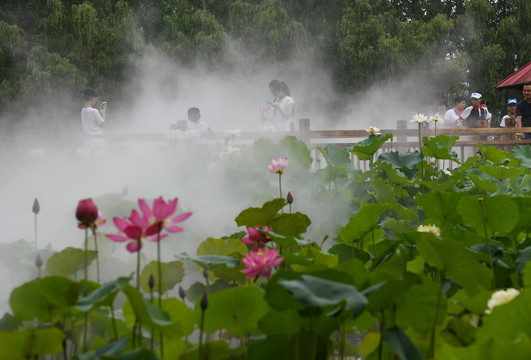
point(411, 266)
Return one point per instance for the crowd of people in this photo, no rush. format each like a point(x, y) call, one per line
point(478, 115)
point(278, 113)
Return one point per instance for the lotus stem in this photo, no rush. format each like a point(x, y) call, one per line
point(35, 245)
point(280, 183)
point(159, 268)
point(113, 318)
point(480, 200)
point(138, 267)
point(97, 255)
point(86, 254)
point(201, 326)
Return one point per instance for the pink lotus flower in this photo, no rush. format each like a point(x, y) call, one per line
point(161, 216)
point(259, 263)
point(86, 213)
point(257, 237)
point(135, 230)
point(277, 166)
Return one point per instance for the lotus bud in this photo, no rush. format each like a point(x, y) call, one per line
point(87, 212)
point(204, 302)
point(38, 261)
point(182, 293)
point(36, 207)
point(289, 198)
point(151, 282)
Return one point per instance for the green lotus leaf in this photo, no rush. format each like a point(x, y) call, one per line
point(59, 290)
point(172, 274)
point(366, 149)
point(27, 344)
point(297, 153)
point(252, 217)
point(502, 172)
point(211, 260)
point(27, 302)
point(441, 208)
point(293, 225)
point(400, 161)
point(490, 214)
point(69, 261)
point(440, 147)
point(422, 307)
point(363, 222)
point(456, 261)
point(335, 156)
point(113, 348)
point(237, 310)
point(147, 313)
point(224, 247)
point(401, 344)
point(182, 318)
point(212, 350)
point(523, 154)
point(139, 354)
point(104, 295)
point(316, 292)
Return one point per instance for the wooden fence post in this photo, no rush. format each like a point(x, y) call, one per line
point(401, 138)
point(304, 131)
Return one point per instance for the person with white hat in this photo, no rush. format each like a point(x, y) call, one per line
point(472, 114)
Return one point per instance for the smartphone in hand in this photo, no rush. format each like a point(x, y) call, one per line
point(103, 105)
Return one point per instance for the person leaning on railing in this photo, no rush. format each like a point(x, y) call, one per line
point(453, 116)
point(509, 120)
point(523, 110)
point(475, 115)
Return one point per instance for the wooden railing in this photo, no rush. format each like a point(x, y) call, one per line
point(404, 138)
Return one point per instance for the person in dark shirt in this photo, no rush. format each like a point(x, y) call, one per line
point(476, 114)
point(523, 110)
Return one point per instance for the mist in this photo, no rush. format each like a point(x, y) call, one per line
point(61, 171)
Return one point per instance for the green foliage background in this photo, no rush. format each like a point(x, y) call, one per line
point(52, 49)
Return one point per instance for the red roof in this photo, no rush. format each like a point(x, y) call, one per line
point(516, 79)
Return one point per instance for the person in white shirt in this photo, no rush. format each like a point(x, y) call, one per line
point(510, 118)
point(194, 122)
point(452, 116)
point(92, 120)
point(283, 105)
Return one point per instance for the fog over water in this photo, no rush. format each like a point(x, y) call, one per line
point(158, 93)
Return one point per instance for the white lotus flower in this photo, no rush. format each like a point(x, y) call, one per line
point(373, 131)
point(447, 172)
point(429, 228)
point(433, 119)
point(501, 297)
point(419, 118)
point(233, 133)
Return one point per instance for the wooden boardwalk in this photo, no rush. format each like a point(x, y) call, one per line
point(405, 138)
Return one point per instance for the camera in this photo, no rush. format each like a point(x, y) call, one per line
point(103, 105)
